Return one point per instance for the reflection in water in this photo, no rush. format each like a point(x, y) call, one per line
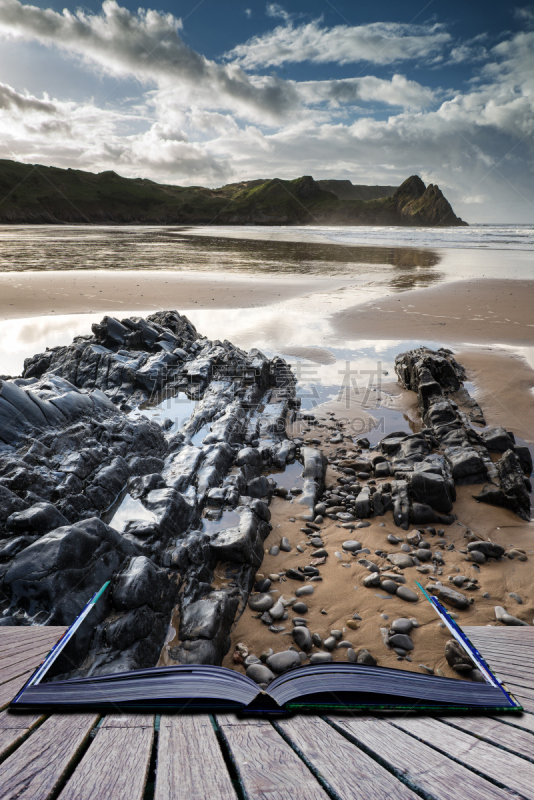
point(172, 248)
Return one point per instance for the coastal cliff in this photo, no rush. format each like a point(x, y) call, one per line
point(33, 194)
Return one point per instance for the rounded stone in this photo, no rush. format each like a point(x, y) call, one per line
point(262, 585)
point(284, 544)
point(352, 545)
point(300, 608)
point(423, 555)
point(351, 655)
point(401, 640)
point(299, 621)
point(320, 508)
point(407, 594)
point(352, 624)
point(389, 586)
point(337, 634)
point(302, 638)
point(363, 524)
point(277, 611)
point(274, 550)
point(281, 662)
point(321, 658)
point(259, 673)
point(316, 639)
point(402, 625)
point(304, 590)
point(329, 643)
point(406, 548)
point(261, 602)
point(393, 539)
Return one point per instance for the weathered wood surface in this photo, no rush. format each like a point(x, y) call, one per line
point(190, 762)
point(268, 767)
point(349, 772)
point(67, 757)
point(117, 762)
point(37, 767)
point(505, 768)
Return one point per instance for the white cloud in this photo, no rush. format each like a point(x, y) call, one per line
point(377, 43)
point(395, 92)
point(275, 10)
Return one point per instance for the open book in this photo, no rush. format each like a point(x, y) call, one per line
point(314, 688)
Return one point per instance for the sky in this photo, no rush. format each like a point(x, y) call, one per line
point(209, 92)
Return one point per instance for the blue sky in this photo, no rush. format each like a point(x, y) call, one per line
point(213, 92)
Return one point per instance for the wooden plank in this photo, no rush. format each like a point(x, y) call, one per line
point(136, 720)
point(11, 688)
point(495, 731)
point(37, 767)
point(423, 767)
point(348, 771)
point(267, 765)
point(11, 654)
point(115, 765)
point(14, 728)
point(507, 769)
point(25, 633)
point(524, 721)
point(13, 671)
point(190, 762)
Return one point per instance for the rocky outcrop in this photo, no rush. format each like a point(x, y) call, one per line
point(418, 204)
point(94, 489)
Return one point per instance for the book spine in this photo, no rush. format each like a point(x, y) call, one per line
point(49, 659)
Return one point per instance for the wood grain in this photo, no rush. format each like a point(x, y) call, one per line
point(11, 688)
point(525, 721)
point(14, 728)
point(190, 762)
point(351, 773)
point(35, 769)
point(422, 766)
point(505, 768)
point(116, 764)
point(497, 732)
point(267, 765)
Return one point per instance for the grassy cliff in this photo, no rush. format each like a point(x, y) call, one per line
point(37, 194)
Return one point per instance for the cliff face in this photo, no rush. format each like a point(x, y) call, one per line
point(36, 194)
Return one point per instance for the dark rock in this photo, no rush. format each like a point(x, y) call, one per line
point(401, 640)
point(141, 583)
point(457, 658)
point(281, 662)
point(261, 602)
point(449, 596)
point(302, 638)
point(39, 518)
point(259, 673)
point(402, 625)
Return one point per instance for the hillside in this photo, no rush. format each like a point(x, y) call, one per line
point(49, 195)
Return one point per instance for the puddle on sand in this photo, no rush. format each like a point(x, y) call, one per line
point(289, 477)
point(130, 510)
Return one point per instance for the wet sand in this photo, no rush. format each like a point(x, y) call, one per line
point(477, 312)
point(30, 294)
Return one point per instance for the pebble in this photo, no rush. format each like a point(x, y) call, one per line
point(401, 640)
point(259, 673)
point(274, 550)
point(329, 643)
point(352, 624)
point(300, 608)
point(345, 517)
point(516, 597)
point(304, 590)
point(302, 638)
point(266, 653)
point(402, 625)
point(363, 524)
point(351, 655)
point(321, 553)
point(319, 519)
point(263, 585)
point(344, 643)
point(274, 577)
point(278, 610)
point(276, 628)
point(249, 660)
point(407, 594)
point(280, 662)
point(324, 611)
point(316, 639)
point(426, 669)
point(261, 602)
point(356, 616)
point(300, 548)
point(299, 621)
point(321, 658)
point(352, 545)
point(401, 560)
point(501, 615)
point(406, 548)
point(284, 544)
point(389, 586)
point(294, 574)
point(337, 634)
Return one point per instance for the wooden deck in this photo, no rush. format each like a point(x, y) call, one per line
point(205, 757)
